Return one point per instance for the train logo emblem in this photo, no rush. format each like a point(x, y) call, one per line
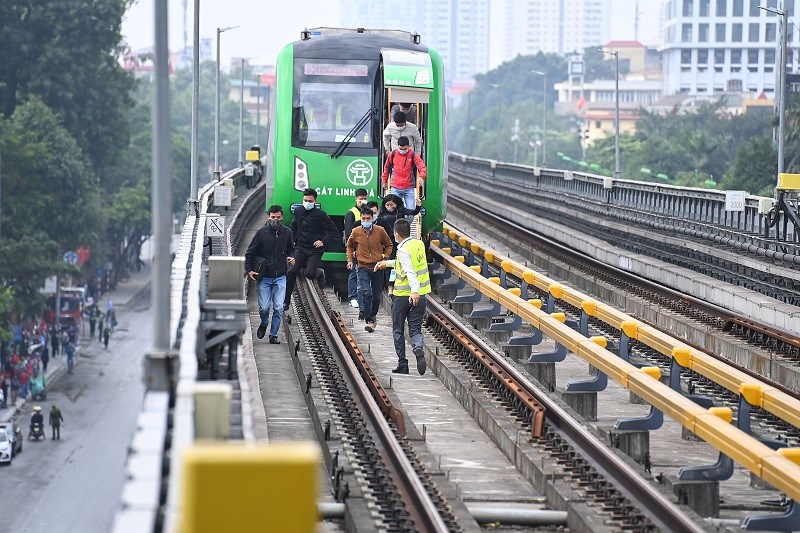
point(359, 172)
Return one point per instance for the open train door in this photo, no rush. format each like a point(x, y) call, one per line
point(408, 78)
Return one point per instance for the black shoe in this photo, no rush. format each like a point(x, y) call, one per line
point(274, 340)
point(360, 316)
point(400, 370)
point(262, 330)
point(421, 365)
point(286, 306)
point(321, 278)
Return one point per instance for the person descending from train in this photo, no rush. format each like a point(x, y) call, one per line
point(400, 128)
point(350, 219)
point(409, 109)
point(368, 244)
point(266, 262)
point(313, 232)
point(407, 171)
point(413, 282)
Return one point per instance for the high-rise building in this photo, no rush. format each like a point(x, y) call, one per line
point(716, 46)
point(549, 26)
point(457, 29)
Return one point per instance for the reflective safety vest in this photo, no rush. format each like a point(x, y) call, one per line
point(415, 248)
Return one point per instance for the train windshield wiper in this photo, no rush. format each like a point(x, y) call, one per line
point(352, 133)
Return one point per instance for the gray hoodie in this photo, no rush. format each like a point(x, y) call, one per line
point(392, 133)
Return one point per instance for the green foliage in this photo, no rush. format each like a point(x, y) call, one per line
point(48, 186)
point(67, 52)
point(755, 169)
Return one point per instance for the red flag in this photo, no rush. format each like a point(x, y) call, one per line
point(581, 103)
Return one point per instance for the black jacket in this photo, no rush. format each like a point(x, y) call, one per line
point(386, 218)
point(309, 226)
point(273, 246)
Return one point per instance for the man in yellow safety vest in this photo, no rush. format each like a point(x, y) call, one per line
point(412, 281)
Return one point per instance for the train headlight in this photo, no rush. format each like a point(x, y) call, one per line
point(300, 174)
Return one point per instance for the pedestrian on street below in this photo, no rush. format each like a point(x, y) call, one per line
point(106, 336)
point(92, 321)
point(412, 282)
point(55, 422)
point(45, 359)
point(109, 309)
point(100, 330)
point(266, 262)
point(54, 340)
point(69, 349)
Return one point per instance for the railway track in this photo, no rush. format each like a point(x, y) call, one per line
point(618, 492)
point(388, 474)
point(782, 343)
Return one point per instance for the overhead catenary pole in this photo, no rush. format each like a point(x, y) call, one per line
point(544, 114)
point(241, 115)
point(616, 111)
point(195, 108)
point(217, 169)
point(499, 114)
point(780, 92)
point(158, 358)
point(258, 110)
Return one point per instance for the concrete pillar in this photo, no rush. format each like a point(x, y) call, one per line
point(497, 337)
point(544, 373)
point(517, 353)
point(583, 403)
point(462, 308)
point(480, 322)
point(634, 444)
point(701, 496)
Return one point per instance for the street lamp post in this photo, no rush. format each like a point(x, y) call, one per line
point(616, 112)
point(217, 169)
point(781, 92)
point(544, 114)
point(241, 114)
point(258, 110)
point(194, 165)
point(499, 115)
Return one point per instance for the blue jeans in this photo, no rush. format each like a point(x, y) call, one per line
point(271, 292)
point(352, 283)
point(370, 286)
point(408, 196)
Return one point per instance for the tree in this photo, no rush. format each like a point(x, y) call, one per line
point(755, 169)
point(67, 52)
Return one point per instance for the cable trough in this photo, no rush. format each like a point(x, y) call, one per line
point(389, 475)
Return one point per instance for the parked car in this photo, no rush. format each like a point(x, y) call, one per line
point(6, 453)
point(14, 435)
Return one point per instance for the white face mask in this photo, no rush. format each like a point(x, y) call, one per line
point(308, 205)
point(403, 151)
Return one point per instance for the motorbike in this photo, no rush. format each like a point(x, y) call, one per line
point(36, 431)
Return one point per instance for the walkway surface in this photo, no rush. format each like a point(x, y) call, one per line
point(125, 294)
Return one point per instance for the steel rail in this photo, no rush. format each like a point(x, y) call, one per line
point(691, 302)
point(419, 505)
point(497, 368)
point(642, 494)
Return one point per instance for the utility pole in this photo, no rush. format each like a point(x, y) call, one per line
point(241, 115)
point(195, 171)
point(616, 112)
point(217, 169)
point(781, 79)
point(258, 110)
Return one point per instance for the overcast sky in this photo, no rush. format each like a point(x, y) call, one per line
point(264, 27)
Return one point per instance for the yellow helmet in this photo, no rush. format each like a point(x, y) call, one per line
point(37, 408)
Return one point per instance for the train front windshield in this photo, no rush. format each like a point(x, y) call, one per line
point(329, 101)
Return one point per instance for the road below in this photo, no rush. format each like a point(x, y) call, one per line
point(74, 484)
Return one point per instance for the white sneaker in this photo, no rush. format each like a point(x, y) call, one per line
point(354, 303)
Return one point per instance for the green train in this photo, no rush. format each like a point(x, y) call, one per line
point(334, 90)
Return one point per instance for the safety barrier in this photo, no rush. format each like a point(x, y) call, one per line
point(780, 468)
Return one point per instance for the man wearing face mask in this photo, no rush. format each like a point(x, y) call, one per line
point(392, 209)
point(368, 245)
point(407, 171)
point(350, 220)
point(313, 231)
point(266, 262)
